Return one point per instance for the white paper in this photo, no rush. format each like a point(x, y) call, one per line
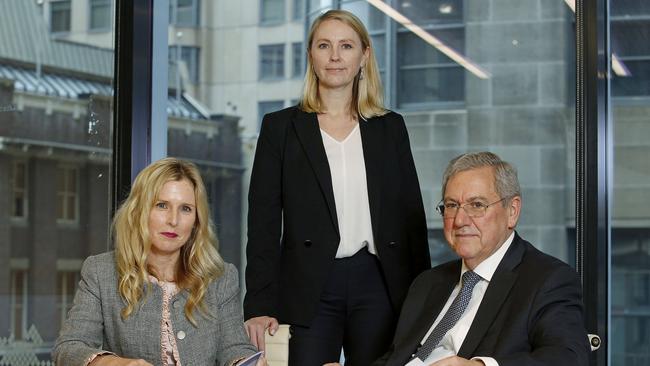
point(251, 360)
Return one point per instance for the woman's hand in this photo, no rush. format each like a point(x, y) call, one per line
point(112, 360)
point(255, 327)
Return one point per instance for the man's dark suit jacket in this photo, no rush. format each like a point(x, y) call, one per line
point(531, 314)
point(293, 230)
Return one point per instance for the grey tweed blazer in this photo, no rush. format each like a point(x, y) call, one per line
point(94, 323)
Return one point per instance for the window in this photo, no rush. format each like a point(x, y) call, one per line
point(18, 302)
point(19, 190)
point(272, 62)
point(66, 286)
point(60, 16)
point(67, 194)
point(272, 12)
point(268, 107)
point(189, 61)
point(631, 55)
point(100, 14)
point(298, 9)
point(297, 65)
point(185, 14)
point(426, 75)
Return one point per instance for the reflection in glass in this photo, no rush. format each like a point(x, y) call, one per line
point(429, 12)
point(630, 236)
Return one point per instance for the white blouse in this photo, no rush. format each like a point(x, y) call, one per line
point(348, 170)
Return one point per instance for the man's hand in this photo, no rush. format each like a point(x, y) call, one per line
point(255, 327)
point(457, 361)
point(112, 360)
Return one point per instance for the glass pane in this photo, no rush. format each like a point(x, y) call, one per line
point(498, 76)
point(100, 14)
point(298, 53)
point(426, 85)
point(272, 61)
point(272, 11)
point(319, 5)
point(60, 16)
point(630, 236)
point(55, 112)
point(424, 12)
point(379, 44)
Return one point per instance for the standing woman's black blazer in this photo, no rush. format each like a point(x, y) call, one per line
point(293, 230)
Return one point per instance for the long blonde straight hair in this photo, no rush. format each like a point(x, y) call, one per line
point(367, 94)
point(199, 262)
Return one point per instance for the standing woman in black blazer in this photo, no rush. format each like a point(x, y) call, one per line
point(336, 225)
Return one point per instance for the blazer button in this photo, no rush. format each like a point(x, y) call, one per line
point(177, 304)
point(307, 243)
point(180, 335)
point(392, 244)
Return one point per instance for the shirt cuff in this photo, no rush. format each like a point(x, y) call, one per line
point(236, 361)
point(95, 355)
point(488, 361)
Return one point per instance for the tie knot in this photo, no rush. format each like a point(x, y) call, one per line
point(470, 278)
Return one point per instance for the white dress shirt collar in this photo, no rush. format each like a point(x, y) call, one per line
point(487, 268)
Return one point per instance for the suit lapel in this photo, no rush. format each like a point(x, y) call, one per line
point(373, 141)
point(435, 300)
point(497, 292)
point(308, 132)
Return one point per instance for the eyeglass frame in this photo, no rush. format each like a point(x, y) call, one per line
point(440, 207)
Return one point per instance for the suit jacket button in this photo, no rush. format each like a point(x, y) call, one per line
point(392, 243)
point(177, 304)
point(180, 335)
point(307, 243)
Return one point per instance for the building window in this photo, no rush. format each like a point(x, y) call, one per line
point(185, 13)
point(297, 64)
point(19, 190)
point(189, 56)
point(630, 55)
point(67, 194)
point(18, 303)
point(271, 11)
point(272, 62)
point(60, 16)
point(66, 286)
point(298, 9)
point(100, 14)
point(425, 75)
point(267, 107)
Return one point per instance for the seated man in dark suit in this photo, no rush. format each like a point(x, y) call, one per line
point(504, 302)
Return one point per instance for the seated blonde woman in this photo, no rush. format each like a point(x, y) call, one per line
point(164, 296)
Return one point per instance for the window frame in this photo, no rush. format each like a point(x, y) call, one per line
point(279, 65)
point(63, 196)
point(15, 305)
point(195, 14)
point(298, 54)
point(24, 190)
point(265, 21)
point(94, 4)
point(52, 8)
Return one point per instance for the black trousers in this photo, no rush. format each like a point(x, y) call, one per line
point(354, 313)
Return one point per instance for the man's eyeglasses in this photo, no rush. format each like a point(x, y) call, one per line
point(472, 209)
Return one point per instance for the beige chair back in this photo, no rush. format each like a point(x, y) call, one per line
point(277, 346)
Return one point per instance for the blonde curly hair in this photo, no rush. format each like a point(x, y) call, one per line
point(199, 262)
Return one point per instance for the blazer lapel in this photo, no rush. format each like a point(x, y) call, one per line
point(372, 139)
point(436, 298)
point(496, 293)
point(308, 132)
